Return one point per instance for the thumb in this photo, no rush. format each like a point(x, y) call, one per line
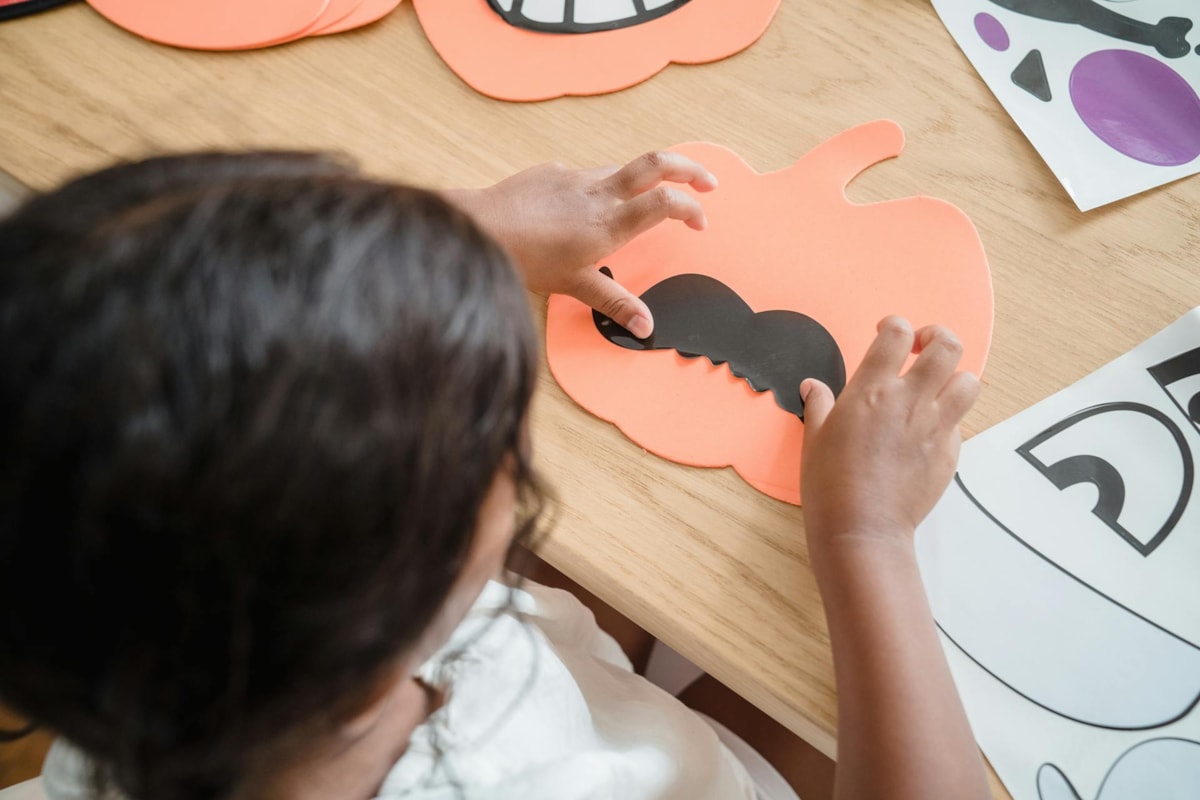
point(600, 291)
point(818, 402)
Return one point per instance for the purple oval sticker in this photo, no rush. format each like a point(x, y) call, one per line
point(1138, 106)
point(992, 31)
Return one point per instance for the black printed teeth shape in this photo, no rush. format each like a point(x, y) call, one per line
point(696, 315)
point(581, 16)
point(1168, 36)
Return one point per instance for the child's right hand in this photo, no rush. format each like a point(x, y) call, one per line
point(557, 222)
point(877, 461)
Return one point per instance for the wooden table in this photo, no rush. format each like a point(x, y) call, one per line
point(713, 568)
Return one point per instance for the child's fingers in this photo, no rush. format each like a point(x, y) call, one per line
point(650, 208)
point(651, 169)
point(599, 174)
point(889, 351)
point(818, 402)
point(940, 351)
point(613, 301)
point(957, 397)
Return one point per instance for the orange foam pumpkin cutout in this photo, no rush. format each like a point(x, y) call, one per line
point(509, 62)
point(215, 24)
point(787, 240)
point(366, 13)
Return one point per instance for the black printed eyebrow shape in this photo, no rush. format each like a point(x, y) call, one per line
point(1168, 36)
point(697, 315)
point(512, 12)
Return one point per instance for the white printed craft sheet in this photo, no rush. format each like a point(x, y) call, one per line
point(1063, 569)
point(1104, 89)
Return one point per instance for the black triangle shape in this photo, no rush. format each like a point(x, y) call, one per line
point(1030, 75)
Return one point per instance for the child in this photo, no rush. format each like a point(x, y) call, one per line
point(264, 443)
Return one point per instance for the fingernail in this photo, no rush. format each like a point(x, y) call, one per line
point(640, 327)
point(805, 389)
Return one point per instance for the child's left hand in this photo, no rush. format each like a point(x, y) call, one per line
point(556, 223)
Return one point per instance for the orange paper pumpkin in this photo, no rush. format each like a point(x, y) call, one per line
point(509, 62)
point(787, 240)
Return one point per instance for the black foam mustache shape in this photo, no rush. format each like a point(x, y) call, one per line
point(697, 315)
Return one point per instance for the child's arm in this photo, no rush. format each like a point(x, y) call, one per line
point(874, 465)
point(557, 222)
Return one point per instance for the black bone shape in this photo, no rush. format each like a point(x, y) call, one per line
point(1168, 36)
point(696, 315)
point(516, 17)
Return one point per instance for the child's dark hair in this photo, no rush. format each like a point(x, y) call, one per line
point(250, 406)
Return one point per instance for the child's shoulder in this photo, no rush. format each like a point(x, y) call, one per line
point(543, 704)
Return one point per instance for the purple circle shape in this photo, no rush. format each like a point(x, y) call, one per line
point(992, 31)
point(1138, 106)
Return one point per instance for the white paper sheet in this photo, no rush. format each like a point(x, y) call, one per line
point(1063, 568)
point(1140, 94)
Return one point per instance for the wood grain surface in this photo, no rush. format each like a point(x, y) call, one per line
point(713, 568)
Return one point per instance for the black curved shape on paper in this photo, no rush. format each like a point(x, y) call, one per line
point(697, 315)
point(1110, 487)
point(515, 16)
point(1054, 785)
point(1173, 370)
point(1110, 499)
point(1168, 36)
point(1184, 709)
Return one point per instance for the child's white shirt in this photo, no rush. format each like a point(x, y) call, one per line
point(542, 705)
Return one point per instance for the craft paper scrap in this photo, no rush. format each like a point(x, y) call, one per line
point(526, 51)
point(788, 281)
point(1063, 569)
point(1106, 91)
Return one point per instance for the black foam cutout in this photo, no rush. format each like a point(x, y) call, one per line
point(516, 17)
point(28, 7)
point(1030, 75)
point(1168, 36)
point(697, 315)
